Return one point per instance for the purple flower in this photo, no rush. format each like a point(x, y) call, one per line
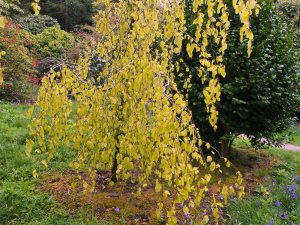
point(187, 216)
point(277, 203)
point(204, 213)
point(291, 188)
point(282, 216)
point(292, 191)
point(220, 197)
point(297, 179)
point(181, 205)
point(117, 209)
point(258, 203)
point(294, 195)
point(272, 222)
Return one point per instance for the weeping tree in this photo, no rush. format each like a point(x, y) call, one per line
point(131, 117)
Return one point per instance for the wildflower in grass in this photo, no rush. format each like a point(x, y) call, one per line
point(258, 203)
point(181, 205)
point(292, 191)
point(220, 197)
point(283, 216)
point(272, 221)
point(297, 179)
point(277, 203)
point(187, 216)
point(117, 209)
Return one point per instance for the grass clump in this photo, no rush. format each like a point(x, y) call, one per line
point(279, 204)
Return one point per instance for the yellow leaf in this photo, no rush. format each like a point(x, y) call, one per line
point(29, 112)
point(34, 174)
point(207, 145)
point(166, 194)
point(29, 146)
point(44, 163)
point(1, 76)
point(158, 186)
point(209, 159)
point(212, 166)
point(205, 219)
point(2, 22)
point(185, 209)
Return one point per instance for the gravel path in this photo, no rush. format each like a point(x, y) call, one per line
point(288, 147)
point(291, 147)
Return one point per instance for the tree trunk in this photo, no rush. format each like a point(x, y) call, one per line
point(225, 147)
point(119, 132)
point(115, 166)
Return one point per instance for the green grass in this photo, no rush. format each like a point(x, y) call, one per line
point(21, 200)
point(260, 208)
point(295, 136)
point(289, 160)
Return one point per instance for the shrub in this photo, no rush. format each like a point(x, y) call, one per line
point(44, 65)
point(16, 63)
point(259, 94)
point(53, 42)
point(10, 7)
point(290, 12)
point(36, 24)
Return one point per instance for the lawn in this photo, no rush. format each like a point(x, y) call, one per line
point(49, 200)
point(21, 199)
point(295, 135)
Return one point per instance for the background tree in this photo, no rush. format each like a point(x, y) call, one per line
point(69, 13)
point(259, 94)
point(290, 12)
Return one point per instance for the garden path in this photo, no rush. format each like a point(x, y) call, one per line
point(291, 147)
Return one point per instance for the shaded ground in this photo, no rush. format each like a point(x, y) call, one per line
point(141, 209)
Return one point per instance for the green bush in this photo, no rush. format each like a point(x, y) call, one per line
point(53, 42)
point(290, 12)
point(10, 7)
point(260, 94)
point(36, 24)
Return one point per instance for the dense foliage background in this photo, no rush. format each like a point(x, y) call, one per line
point(260, 94)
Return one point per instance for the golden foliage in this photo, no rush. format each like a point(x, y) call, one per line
point(132, 111)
